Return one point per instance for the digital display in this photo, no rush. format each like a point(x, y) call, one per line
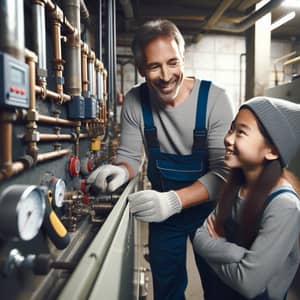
point(17, 76)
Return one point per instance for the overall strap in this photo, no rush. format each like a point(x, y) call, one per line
point(149, 127)
point(269, 200)
point(273, 195)
point(200, 131)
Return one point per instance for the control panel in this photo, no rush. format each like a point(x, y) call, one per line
point(14, 82)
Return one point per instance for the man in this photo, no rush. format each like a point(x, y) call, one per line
point(181, 122)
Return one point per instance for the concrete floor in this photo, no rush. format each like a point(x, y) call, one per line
point(194, 288)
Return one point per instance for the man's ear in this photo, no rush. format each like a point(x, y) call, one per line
point(272, 153)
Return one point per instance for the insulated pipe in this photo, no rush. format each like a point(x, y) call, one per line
point(12, 28)
point(73, 49)
point(39, 28)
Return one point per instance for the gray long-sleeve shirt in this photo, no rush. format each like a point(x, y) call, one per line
point(272, 260)
point(175, 127)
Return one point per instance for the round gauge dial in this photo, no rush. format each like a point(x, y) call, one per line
point(22, 210)
point(59, 188)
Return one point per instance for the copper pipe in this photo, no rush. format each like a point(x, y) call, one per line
point(54, 154)
point(31, 59)
point(13, 169)
point(31, 127)
point(53, 120)
point(50, 4)
point(84, 56)
point(51, 94)
point(6, 130)
point(84, 135)
point(55, 137)
point(57, 17)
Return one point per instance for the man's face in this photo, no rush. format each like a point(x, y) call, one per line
point(163, 68)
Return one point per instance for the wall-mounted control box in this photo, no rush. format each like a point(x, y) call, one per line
point(14, 82)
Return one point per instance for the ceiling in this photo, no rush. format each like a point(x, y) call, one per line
point(194, 17)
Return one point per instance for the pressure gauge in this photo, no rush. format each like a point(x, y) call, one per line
point(58, 188)
point(22, 210)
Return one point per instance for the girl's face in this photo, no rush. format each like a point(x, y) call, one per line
point(246, 147)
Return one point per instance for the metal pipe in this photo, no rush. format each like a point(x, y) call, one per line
point(85, 82)
point(84, 12)
point(57, 18)
point(73, 49)
point(291, 61)
point(12, 28)
point(250, 20)
point(40, 40)
point(6, 143)
point(15, 168)
point(51, 94)
point(55, 137)
point(217, 14)
point(91, 73)
point(53, 120)
point(31, 127)
point(51, 155)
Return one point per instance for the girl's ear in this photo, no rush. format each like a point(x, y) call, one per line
point(271, 153)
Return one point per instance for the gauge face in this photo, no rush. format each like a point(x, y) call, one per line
point(30, 213)
point(59, 192)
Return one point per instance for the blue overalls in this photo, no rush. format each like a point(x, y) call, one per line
point(224, 291)
point(167, 240)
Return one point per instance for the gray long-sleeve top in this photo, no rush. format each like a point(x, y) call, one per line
point(175, 127)
point(272, 260)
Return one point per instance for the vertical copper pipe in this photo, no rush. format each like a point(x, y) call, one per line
point(31, 132)
point(84, 55)
point(57, 18)
point(6, 131)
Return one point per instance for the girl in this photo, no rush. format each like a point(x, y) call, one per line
point(251, 239)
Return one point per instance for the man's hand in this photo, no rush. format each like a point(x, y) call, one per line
point(108, 178)
point(152, 206)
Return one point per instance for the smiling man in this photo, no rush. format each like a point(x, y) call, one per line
point(180, 122)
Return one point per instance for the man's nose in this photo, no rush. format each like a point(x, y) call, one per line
point(165, 73)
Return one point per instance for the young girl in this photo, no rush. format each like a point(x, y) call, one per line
point(251, 239)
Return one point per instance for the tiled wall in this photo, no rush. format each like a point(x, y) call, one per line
point(218, 58)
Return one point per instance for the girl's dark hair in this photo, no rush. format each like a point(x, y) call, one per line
point(250, 215)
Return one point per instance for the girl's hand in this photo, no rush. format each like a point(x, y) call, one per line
point(214, 229)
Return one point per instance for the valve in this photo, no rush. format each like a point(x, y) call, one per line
point(74, 166)
point(40, 264)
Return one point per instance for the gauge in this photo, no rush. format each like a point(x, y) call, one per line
point(58, 191)
point(22, 210)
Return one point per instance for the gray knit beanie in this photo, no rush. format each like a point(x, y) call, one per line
point(281, 119)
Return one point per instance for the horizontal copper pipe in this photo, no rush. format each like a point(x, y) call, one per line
point(39, 90)
point(83, 135)
point(13, 169)
point(55, 137)
point(53, 154)
point(53, 120)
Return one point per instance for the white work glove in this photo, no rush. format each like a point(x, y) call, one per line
point(108, 178)
point(152, 206)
